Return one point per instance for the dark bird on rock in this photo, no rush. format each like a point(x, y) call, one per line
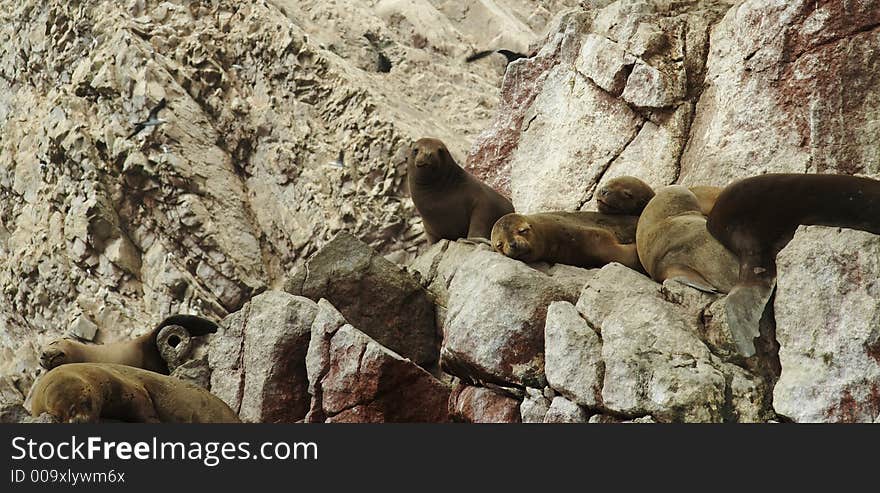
point(510, 55)
point(151, 121)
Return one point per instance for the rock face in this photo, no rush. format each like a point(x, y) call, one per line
point(258, 358)
point(828, 324)
point(354, 379)
point(374, 294)
point(495, 321)
point(288, 123)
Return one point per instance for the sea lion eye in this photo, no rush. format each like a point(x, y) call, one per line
point(523, 231)
point(627, 194)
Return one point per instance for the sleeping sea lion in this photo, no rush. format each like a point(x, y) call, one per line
point(560, 238)
point(88, 392)
point(453, 203)
point(141, 352)
point(756, 217)
point(673, 243)
point(630, 195)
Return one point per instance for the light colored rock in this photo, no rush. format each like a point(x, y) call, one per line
point(605, 63)
point(482, 405)
point(609, 287)
point(494, 330)
point(534, 406)
point(573, 355)
point(791, 87)
point(11, 402)
point(83, 328)
point(354, 379)
point(258, 358)
point(828, 326)
point(374, 294)
point(563, 410)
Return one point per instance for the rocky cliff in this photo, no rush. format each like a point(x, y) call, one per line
point(286, 123)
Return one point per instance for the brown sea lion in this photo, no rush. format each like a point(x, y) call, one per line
point(622, 226)
point(624, 195)
point(88, 392)
point(673, 243)
point(756, 217)
point(630, 195)
point(560, 239)
point(141, 352)
point(453, 203)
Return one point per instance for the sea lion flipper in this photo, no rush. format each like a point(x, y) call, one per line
point(689, 277)
point(744, 308)
point(699, 286)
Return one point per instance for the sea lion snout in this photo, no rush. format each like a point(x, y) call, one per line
point(51, 356)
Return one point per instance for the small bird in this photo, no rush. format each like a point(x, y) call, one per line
point(510, 55)
point(151, 121)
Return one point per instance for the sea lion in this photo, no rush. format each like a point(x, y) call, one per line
point(558, 238)
point(630, 195)
point(87, 392)
point(624, 195)
point(756, 217)
point(141, 352)
point(453, 203)
point(673, 243)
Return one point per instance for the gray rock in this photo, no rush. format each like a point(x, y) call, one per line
point(375, 295)
point(573, 355)
point(494, 330)
point(563, 410)
point(83, 328)
point(354, 379)
point(534, 406)
point(258, 358)
point(828, 326)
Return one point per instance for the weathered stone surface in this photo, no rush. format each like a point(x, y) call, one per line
point(482, 405)
point(12, 408)
point(354, 379)
point(258, 358)
point(791, 87)
point(374, 294)
point(83, 328)
point(563, 410)
point(494, 330)
point(573, 355)
point(534, 406)
point(828, 326)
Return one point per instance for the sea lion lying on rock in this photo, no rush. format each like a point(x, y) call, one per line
point(89, 392)
point(630, 195)
point(673, 243)
point(756, 217)
point(141, 352)
point(453, 203)
point(564, 238)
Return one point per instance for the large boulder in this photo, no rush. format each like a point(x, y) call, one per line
point(378, 297)
point(355, 379)
point(573, 359)
point(258, 358)
point(494, 330)
point(828, 326)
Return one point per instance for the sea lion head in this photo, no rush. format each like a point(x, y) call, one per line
point(513, 236)
point(430, 161)
point(67, 397)
point(59, 352)
point(624, 195)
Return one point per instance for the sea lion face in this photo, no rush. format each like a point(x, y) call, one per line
point(512, 236)
point(57, 353)
point(428, 158)
point(624, 195)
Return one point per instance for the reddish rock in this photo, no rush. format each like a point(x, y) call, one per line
point(374, 295)
point(482, 405)
point(355, 379)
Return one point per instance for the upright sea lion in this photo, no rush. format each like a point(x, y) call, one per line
point(453, 204)
point(673, 243)
point(756, 217)
point(630, 195)
point(141, 352)
point(87, 392)
point(558, 238)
